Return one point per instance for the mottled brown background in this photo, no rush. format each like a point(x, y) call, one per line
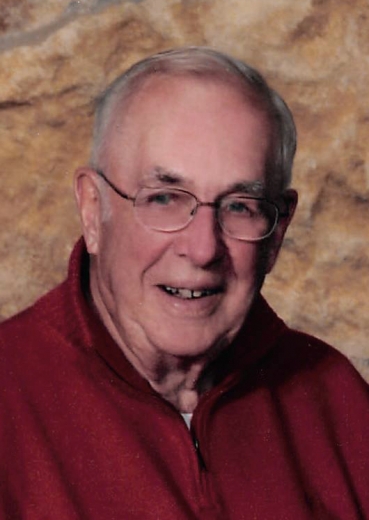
point(57, 55)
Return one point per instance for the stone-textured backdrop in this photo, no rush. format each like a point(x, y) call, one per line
point(57, 55)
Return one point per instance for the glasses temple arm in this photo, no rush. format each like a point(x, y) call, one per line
point(101, 174)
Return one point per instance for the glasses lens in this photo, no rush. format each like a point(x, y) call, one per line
point(247, 218)
point(164, 209)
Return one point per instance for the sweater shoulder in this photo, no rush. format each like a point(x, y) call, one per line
point(28, 329)
point(39, 310)
point(301, 357)
point(300, 346)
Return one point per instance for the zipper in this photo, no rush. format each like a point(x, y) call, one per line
point(200, 458)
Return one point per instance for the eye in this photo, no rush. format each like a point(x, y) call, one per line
point(246, 208)
point(238, 207)
point(161, 198)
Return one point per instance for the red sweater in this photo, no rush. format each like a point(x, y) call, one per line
point(83, 436)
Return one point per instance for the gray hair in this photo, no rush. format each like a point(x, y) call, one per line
point(204, 62)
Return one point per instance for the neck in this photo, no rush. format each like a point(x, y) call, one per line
point(180, 389)
point(182, 383)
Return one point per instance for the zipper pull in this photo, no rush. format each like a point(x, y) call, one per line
point(198, 452)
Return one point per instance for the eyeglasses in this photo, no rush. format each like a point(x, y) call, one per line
point(171, 209)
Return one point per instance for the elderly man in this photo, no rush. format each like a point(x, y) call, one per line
point(155, 382)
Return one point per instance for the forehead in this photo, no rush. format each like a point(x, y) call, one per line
point(157, 91)
point(190, 126)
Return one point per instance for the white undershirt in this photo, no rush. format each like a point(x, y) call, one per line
point(187, 419)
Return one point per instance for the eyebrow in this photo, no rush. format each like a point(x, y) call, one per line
point(158, 173)
point(173, 178)
point(249, 187)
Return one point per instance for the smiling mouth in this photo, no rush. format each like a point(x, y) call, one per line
point(188, 294)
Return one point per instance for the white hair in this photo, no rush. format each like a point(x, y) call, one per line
point(203, 62)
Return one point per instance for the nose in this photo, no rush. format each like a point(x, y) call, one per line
point(201, 241)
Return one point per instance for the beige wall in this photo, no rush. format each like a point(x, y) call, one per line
point(57, 55)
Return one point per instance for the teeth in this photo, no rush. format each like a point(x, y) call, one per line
point(187, 294)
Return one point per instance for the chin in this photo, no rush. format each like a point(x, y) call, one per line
point(187, 343)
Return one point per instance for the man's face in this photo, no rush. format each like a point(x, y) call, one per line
point(187, 292)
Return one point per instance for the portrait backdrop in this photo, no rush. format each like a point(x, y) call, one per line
point(56, 56)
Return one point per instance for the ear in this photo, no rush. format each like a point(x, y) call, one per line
point(287, 207)
point(88, 200)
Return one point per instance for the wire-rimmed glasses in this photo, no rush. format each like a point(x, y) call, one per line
point(168, 209)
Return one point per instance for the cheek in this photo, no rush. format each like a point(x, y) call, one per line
point(129, 250)
point(245, 260)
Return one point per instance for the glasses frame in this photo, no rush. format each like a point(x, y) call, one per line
point(216, 205)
